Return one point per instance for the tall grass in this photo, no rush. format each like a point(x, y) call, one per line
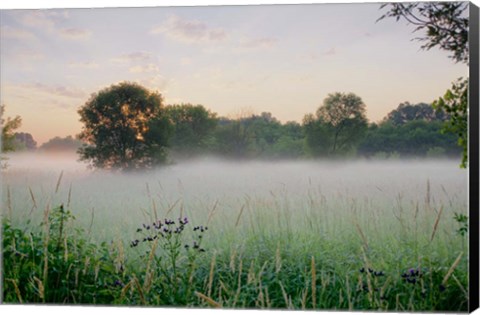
point(269, 240)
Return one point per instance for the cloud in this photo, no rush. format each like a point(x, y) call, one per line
point(44, 19)
point(256, 43)
point(52, 96)
point(51, 90)
point(38, 19)
point(138, 56)
point(26, 56)
point(155, 82)
point(332, 51)
point(74, 33)
point(189, 31)
point(52, 21)
point(145, 68)
point(15, 33)
point(83, 65)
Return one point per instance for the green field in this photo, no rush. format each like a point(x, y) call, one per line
point(281, 235)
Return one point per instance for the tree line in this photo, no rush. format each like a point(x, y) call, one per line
point(127, 126)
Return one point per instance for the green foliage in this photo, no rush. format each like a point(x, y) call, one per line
point(116, 121)
point(55, 263)
point(9, 125)
point(258, 136)
point(462, 220)
point(24, 141)
point(455, 103)
point(338, 126)
point(406, 112)
point(192, 128)
point(58, 144)
point(168, 252)
point(445, 24)
point(413, 138)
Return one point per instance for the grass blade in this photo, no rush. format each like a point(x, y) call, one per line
point(207, 299)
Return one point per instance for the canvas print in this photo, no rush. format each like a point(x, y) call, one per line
point(292, 157)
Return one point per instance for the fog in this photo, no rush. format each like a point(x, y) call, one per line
point(199, 185)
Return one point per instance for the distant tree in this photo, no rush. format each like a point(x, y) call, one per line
point(415, 138)
point(338, 126)
point(406, 112)
point(318, 138)
point(192, 128)
point(24, 141)
point(9, 125)
point(58, 144)
point(291, 143)
point(265, 130)
point(233, 137)
point(117, 121)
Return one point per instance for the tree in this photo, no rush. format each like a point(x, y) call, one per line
point(58, 144)
point(445, 24)
point(24, 141)
point(455, 102)
point(9, 125)
point(192, 127)
point(118, 121)
point(406, 112)
point(339, 125)
point(414, 138)
point(447, 27)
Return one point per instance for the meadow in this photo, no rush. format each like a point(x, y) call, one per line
point(357, 235)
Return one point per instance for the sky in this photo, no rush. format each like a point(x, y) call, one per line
point(283, 59)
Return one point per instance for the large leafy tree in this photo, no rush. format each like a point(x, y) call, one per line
point(444, 25)
point(338, 126)
point(123, 128)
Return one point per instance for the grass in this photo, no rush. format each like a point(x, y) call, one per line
point(314, 242)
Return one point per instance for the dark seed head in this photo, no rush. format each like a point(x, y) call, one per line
point(139, 230)
point(362, 270)
point(442, 288)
